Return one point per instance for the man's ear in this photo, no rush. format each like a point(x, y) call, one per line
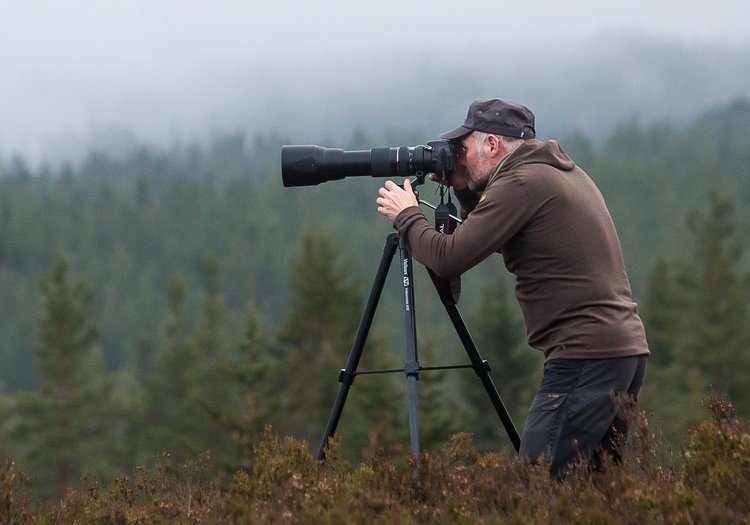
point(496, 149)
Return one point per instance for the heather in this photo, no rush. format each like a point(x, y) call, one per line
point(707, 481)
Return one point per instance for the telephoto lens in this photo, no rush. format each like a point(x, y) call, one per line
point(311, 165)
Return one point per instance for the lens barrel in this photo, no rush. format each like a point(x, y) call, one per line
point(311, 165)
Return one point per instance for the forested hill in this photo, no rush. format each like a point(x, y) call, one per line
point(179, 300)
point(133, 224)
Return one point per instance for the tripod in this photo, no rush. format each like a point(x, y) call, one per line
point(411, 364)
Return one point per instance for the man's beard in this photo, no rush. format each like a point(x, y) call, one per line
point(481, 175)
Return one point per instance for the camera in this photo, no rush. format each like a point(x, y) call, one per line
point(311, 165)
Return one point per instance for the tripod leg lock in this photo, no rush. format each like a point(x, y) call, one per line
point(412, 368)
point(346, 378)
point(486, 365)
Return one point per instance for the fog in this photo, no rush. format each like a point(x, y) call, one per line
point(109, 74)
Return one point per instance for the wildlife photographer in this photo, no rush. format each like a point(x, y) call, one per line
point(528, 200)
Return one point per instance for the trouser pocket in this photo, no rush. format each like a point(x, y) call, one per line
point(542, 428)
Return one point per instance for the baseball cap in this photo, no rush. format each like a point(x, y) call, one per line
point(499, 117)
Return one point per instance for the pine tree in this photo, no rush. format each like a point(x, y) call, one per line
point(214, 396)
point(674, 389)
point(256, 373)
point(375, 422)
point(439, 409)
point(67, 426)
point(316, 335)
point(716, 330)
point(663, 309)
point(209, 338)
point(168, 424)
point(696, 318)
point(516, 369)
point(191, 397)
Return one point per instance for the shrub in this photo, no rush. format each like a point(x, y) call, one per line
point(457, 485)
point(14, 500)
point(717, 465)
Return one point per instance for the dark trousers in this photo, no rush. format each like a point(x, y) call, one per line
point(580, 411)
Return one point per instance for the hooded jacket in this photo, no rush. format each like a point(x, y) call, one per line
point(551, 224)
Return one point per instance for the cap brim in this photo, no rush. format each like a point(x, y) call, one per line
point(453, 134)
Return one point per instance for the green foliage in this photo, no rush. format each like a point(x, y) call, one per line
point(717, 336)
point(374, 421)
point(662, 313)
point(65, 332)
point(516, 368)
point(168, 400)
point(194, 397)
point(315, 340)
point(316, 333)
point(696, 316)
point(322, 316)
point(437, 403)
point(255, 371)
point(650, 176)
point(69, 424)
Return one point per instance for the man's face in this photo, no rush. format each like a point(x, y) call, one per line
point(476, 162)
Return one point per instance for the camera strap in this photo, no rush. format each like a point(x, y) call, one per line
point(445, 222)
point(445, 213)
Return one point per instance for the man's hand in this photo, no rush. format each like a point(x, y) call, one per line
point(392, 199)
point(458, 179)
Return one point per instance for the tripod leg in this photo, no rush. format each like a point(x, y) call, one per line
point(347, 375)
point(411, 366)
point(481, 368)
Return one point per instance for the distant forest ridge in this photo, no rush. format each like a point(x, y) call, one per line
point(132, 224)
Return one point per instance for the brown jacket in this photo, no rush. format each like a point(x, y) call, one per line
point(550, 222)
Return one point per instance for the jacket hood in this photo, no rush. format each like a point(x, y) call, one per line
point(534, 151)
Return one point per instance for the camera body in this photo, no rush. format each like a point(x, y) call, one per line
point(311, 165)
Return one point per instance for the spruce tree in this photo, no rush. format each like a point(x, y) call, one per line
point(674, 388)
point(214, 396)
point(516, 368)
point(438, 408)
point(316, 335)
point(169, 418)
point(696, 315)
point(717, 338)
point(256, 372)
point(191, 395)
point(663, 309)
point(67, 426)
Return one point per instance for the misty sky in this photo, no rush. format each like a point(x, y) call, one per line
point(176, 70)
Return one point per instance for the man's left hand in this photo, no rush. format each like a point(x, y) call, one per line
point(392, 199)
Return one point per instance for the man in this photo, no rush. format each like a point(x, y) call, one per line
point(529, 201)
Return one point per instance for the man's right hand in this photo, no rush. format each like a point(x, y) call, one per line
point(458, 178)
